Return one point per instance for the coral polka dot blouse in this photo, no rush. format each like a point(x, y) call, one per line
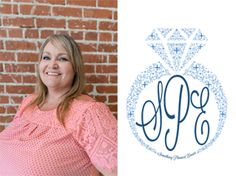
point(36, 144)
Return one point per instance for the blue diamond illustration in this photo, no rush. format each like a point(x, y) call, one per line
point(176, 47)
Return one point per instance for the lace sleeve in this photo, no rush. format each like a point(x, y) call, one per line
point(98, 135)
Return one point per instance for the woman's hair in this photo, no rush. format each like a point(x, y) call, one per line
point(75, 57)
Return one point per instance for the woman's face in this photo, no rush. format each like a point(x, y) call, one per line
point(55, 68)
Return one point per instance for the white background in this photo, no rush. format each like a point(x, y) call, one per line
point(216, 19)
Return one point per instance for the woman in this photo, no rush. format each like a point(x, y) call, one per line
point(59, 131)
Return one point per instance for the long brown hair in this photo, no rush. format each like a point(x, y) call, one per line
point(74, 53)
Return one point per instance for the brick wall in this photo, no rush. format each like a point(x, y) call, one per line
point(24, 25)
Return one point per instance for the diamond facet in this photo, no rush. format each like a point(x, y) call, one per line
point(176, 47)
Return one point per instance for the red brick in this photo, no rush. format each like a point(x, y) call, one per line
point(15, 9)
point(91, 36)
point(20, 45)
point(115, 37)
point(5, 9)
point(91, 3)
point(10, 78)
point(82, 24)
point(106, 89)
point(61, 2)
point(4, 99)
point(1, 44)
point(105, 36)
point(46, 33)
point(27, 57)
point(5, 119)
point(91, 47)
point(77, 35)
point(23, 1)
point(91, 58)
point(67, 11)
point(20, 68)
point(113, 108)
point(29, 79)
point(7, 56)
point(26, 9)
point(56, 23)
point(22, 22)
point(115, 15)
point(101, 98)
point(97, 79)
point(20, 89)
point(11, 110)
point(16, 99)
point(2, 127)
point(1, 89)
point(62, 32)
point(35, 10)
point(112, 99)
point(89, 68)
point(113, 79)
point(106, 25)
point(106, 69)
point(98, 13)
point(112, 48)
point(88, 88)
point(39, 44)
point(15, 33)
point(112, 58)
point(42, 10)
point(3, 32)
point(1, 67)
point(107, 3)
point(2, 110)
point(32, 33)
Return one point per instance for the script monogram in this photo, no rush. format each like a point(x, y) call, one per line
point(179, 115)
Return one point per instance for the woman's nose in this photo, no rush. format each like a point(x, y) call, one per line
point(53, 64)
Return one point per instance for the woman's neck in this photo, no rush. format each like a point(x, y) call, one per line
point(53, 99)
point(56, 94)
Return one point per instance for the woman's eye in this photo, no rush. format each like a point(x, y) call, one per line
point(46, 58)
point(63, 59)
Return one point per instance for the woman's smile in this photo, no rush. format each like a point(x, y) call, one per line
point(49, 73)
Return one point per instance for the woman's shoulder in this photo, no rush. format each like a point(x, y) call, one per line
point(28, 98)
point(86, 102)
point(84, 98)
point(81, 103)
point(85, 108)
